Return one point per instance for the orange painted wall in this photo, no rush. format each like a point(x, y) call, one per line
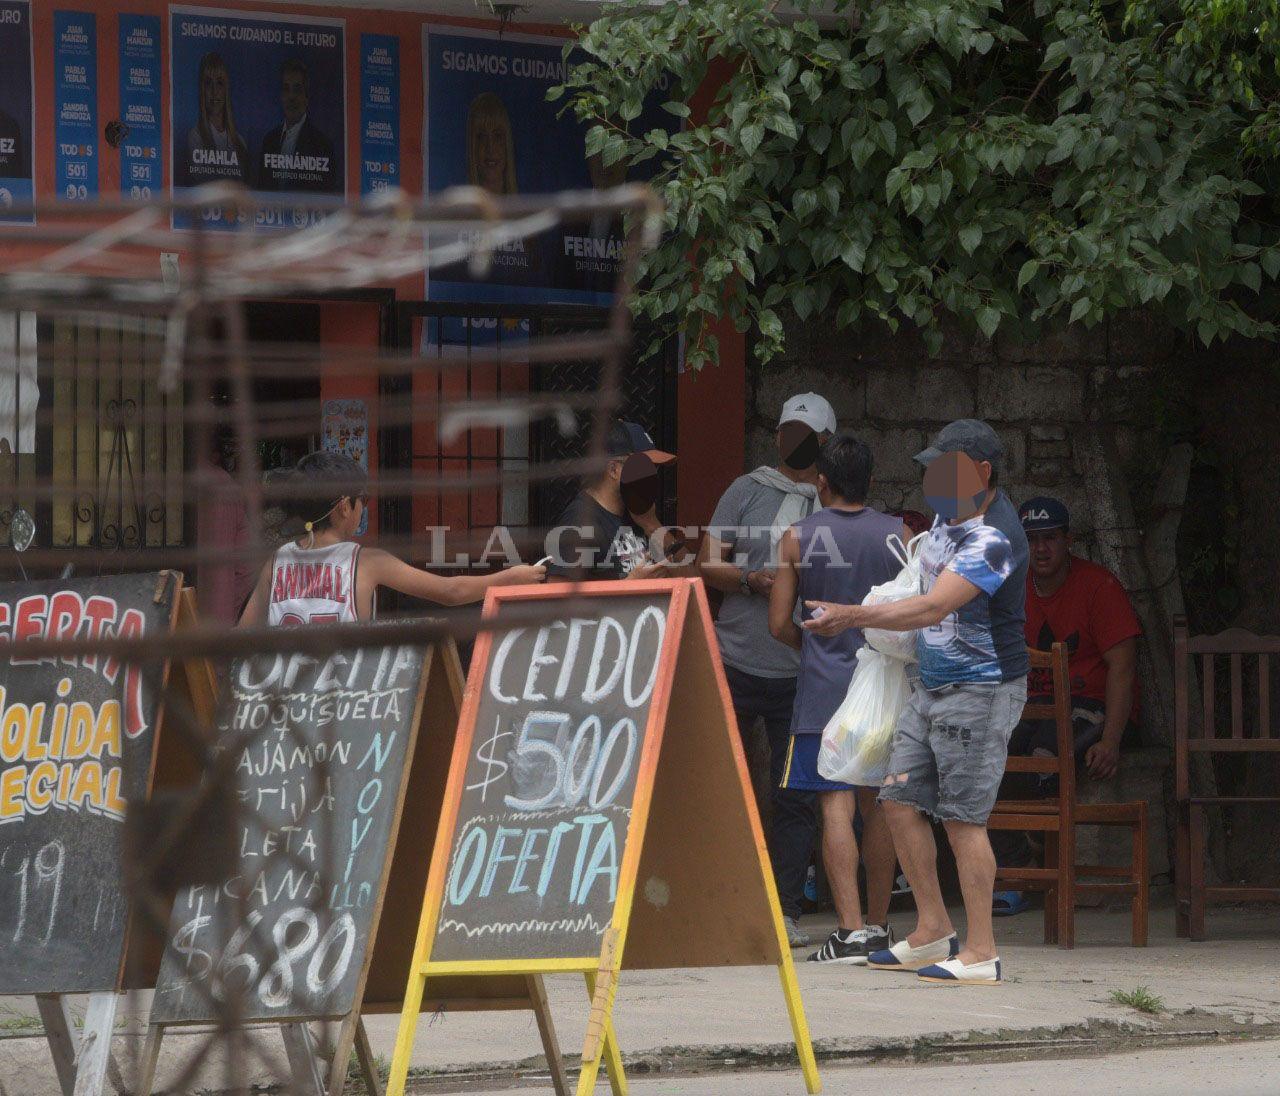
point(710, 459)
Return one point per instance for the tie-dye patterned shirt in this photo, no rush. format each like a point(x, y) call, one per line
point(982, 641)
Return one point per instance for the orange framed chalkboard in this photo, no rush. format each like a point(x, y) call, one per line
point(597, 761)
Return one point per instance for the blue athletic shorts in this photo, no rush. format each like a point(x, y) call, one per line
point(801, 771)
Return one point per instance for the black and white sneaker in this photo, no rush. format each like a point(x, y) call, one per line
point(853, 947)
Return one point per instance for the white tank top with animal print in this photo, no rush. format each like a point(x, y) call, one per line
point(314, 585)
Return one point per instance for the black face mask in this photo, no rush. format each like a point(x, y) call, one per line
point(799, 446)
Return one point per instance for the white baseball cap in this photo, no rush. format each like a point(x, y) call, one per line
point(810, 409)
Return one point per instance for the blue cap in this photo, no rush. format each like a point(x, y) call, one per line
point(625, 438)
point(1043, 513)
point(970, 436)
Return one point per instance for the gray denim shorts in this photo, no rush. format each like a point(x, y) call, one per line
point(949, 749)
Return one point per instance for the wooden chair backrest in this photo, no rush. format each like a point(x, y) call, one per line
point(1058, 709)
point(1244, 734)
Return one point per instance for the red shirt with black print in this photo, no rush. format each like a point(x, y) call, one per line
point(1091, 613)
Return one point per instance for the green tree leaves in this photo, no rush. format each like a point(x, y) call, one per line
point(1010, 165)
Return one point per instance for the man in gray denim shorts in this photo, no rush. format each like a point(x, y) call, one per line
point(951, 742)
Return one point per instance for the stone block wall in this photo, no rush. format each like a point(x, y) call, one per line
point(886, 388)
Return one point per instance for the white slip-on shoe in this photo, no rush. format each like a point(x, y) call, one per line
point(902, 956)
point(956, 973)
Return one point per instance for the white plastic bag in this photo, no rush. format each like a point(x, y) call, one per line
point(857, 739)
point(899, 645)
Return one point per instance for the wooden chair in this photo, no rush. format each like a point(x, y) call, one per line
point(1057, 818)
point(1193, 894)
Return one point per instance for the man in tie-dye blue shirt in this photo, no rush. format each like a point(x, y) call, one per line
point(951, 741)
point(963, 647)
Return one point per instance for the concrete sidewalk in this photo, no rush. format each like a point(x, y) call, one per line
point(685, 1019)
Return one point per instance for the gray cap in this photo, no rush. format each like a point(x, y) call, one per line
point(971, 436)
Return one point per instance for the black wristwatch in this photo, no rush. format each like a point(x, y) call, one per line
point(743, 584)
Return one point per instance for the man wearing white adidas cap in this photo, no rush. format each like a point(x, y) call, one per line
point(739, 558)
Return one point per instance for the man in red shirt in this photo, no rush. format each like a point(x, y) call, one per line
point(1083, 605)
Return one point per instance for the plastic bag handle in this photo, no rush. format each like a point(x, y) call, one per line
point(904, 553)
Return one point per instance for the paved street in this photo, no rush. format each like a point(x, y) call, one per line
point(1223, 1070)
point(1054, 1003)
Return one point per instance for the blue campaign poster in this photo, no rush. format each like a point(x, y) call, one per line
point(17, 114)
point(259, 100)
point(379, 112)
point(487, 122)
point(141, 157)
point(75, 83)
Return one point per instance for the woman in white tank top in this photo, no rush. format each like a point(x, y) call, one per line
point(324, 577)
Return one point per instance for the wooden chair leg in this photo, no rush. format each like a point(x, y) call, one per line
point(1142, 879)
point(1195, 912)
point(1051, 895)
point(1067, 881)
point(1182, 872)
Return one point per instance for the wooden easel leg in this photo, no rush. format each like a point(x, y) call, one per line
point(150, 1059)
point(546, 1028)
point(351, 1036)
point(602, 1041)
point(364, 1057)
point(95, 1044)
point(304, 1061)
point(341, 1056)
point(58, 1030)
point(799, 1025)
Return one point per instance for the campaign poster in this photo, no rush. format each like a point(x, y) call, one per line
point(141, 173)
point(258, 100)
point(17, 114)
point(379, 112)
point(487, 123)
point(75, 84)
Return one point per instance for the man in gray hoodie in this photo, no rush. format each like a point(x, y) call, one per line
point(739, 558)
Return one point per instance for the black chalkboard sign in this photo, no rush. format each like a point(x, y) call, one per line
point(555, 754)
point(321, 749)
point(77, 741)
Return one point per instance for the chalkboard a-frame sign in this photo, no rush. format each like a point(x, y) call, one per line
point(598, 814)
point(78, 743)
point(372, 900)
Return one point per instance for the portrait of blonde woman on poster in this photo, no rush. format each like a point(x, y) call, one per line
point(215, 149)
point(491, 153)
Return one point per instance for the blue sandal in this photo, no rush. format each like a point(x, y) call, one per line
point(1008, 903)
